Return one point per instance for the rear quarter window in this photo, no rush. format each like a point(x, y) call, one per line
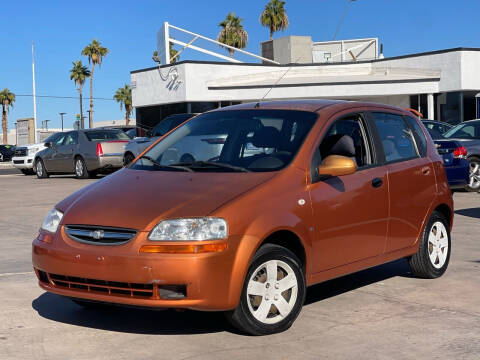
point(419, 136)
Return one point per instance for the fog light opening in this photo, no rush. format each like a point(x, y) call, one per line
point(172, 292)
point(42, 276)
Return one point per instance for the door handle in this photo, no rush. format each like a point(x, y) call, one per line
point(377, 182)
point(426, 170)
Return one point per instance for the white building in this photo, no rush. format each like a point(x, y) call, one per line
point(440, 84)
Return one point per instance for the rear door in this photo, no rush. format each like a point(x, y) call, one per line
point(351, 211)
point(411, 176)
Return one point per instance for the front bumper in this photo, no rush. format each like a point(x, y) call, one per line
point(209, 279)
point(23, 162)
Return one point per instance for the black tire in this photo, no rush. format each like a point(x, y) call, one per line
point(81, 171)
point(421, 264)
point(41, 170)
point(27, 171)
point(473, 160)
point(128, 158)
point(242, 317)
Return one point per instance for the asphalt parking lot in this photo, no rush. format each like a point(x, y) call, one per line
point(380, 313)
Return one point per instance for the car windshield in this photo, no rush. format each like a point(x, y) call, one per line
point(231, 141)
point(435, 134)
point(466, 130)
point(51, 138)
point(100, 135)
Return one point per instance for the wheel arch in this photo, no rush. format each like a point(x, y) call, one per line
point(445, 210)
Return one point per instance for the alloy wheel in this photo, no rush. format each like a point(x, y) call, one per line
point(39, 168)
point(474, 182)
point(79, 168)
point(272, 291)
point(438, 245)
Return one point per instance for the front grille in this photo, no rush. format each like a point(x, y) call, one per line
point(100, 235)
point(113, 288)
point(21, 151)
point(18, 161)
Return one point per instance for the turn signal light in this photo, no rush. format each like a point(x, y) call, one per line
point(99, 149)
point(47, 238)
point(460, 152)
point(184, 249)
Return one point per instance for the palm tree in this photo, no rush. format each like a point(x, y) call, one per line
point(79, 73)
point(95, 53)
point(124, 97)
point(274, 16)
point(7, 99)
point(232, 33)
point(173, 53)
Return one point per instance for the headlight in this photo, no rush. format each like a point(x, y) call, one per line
point(33, 151)
point(52, 220)
point(190, 229)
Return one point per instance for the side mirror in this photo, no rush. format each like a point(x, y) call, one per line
point(336, 165)
point(49, 144)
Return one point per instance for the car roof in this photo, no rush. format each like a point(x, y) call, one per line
point(312, 105)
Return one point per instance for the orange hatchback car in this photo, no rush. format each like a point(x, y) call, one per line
point(241, 208)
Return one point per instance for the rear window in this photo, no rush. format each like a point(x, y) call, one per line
point(100, 135)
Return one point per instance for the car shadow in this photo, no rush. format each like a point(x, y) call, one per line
point(169, 322)
point(357, 280)
point(129, 319)
point(471, 212)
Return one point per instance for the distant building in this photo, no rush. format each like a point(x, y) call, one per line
point(113, 123)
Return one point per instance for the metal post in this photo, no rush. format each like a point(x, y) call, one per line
point(61, 114)
point(34, 99)
point(341, 19)
point(89, 111)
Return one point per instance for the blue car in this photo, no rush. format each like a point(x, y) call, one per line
point(455, 161)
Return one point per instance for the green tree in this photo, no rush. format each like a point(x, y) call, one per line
point(173, 53)
point(79, 73)
point(232, 33)
point(95, 53)
point(7, 100)
point(124, 97)
point(274, 16)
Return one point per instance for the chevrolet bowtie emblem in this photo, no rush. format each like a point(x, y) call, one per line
point(97, 234)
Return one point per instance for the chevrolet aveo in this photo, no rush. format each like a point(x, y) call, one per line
point(288, 195)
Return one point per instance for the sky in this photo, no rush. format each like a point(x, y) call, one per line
point(61, 29)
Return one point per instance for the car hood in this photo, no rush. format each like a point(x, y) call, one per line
point(31, 146)
point(139, 140)
point(139, 199)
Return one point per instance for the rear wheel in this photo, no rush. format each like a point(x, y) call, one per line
point(474, 178)
point(40, 169)
point(273, 292)
point(433, 255)
point(81, 171)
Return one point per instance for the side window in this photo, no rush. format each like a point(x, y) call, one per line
point(71, 139)
point(397, 138)
point(419, 136)
point(59, 140)
point(347, 137)
point(162, 128)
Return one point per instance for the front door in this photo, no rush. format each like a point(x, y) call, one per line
point(66, 151)
point(351, 211)
point(52, 158)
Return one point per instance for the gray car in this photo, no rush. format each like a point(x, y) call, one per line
point(468, 135)
point(84, 153)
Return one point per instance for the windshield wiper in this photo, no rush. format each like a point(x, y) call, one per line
point(158, 165)
point(211, 163)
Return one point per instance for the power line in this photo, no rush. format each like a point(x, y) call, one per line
point(63, 97)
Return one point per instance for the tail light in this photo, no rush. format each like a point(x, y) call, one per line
point(99, 149)
point(460, 152)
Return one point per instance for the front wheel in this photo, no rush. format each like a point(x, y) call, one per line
point(40, 169)
point(273, 292)
point(474, 177)
point(433, 255)
point(128, 158)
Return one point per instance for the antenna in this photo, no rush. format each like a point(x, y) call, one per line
point(257, 105)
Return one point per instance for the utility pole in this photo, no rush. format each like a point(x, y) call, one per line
point(341, 19)
point(34, 98)
point(61, 114)
point(90, 115)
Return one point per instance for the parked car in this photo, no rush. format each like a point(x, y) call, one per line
point(327, 188)
point(468, 135)
point(24, 155)
point(6, 152)
point(438, 126)
point(454, 156)
point(130, 130)
point(136, 146)
point(84, 153)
